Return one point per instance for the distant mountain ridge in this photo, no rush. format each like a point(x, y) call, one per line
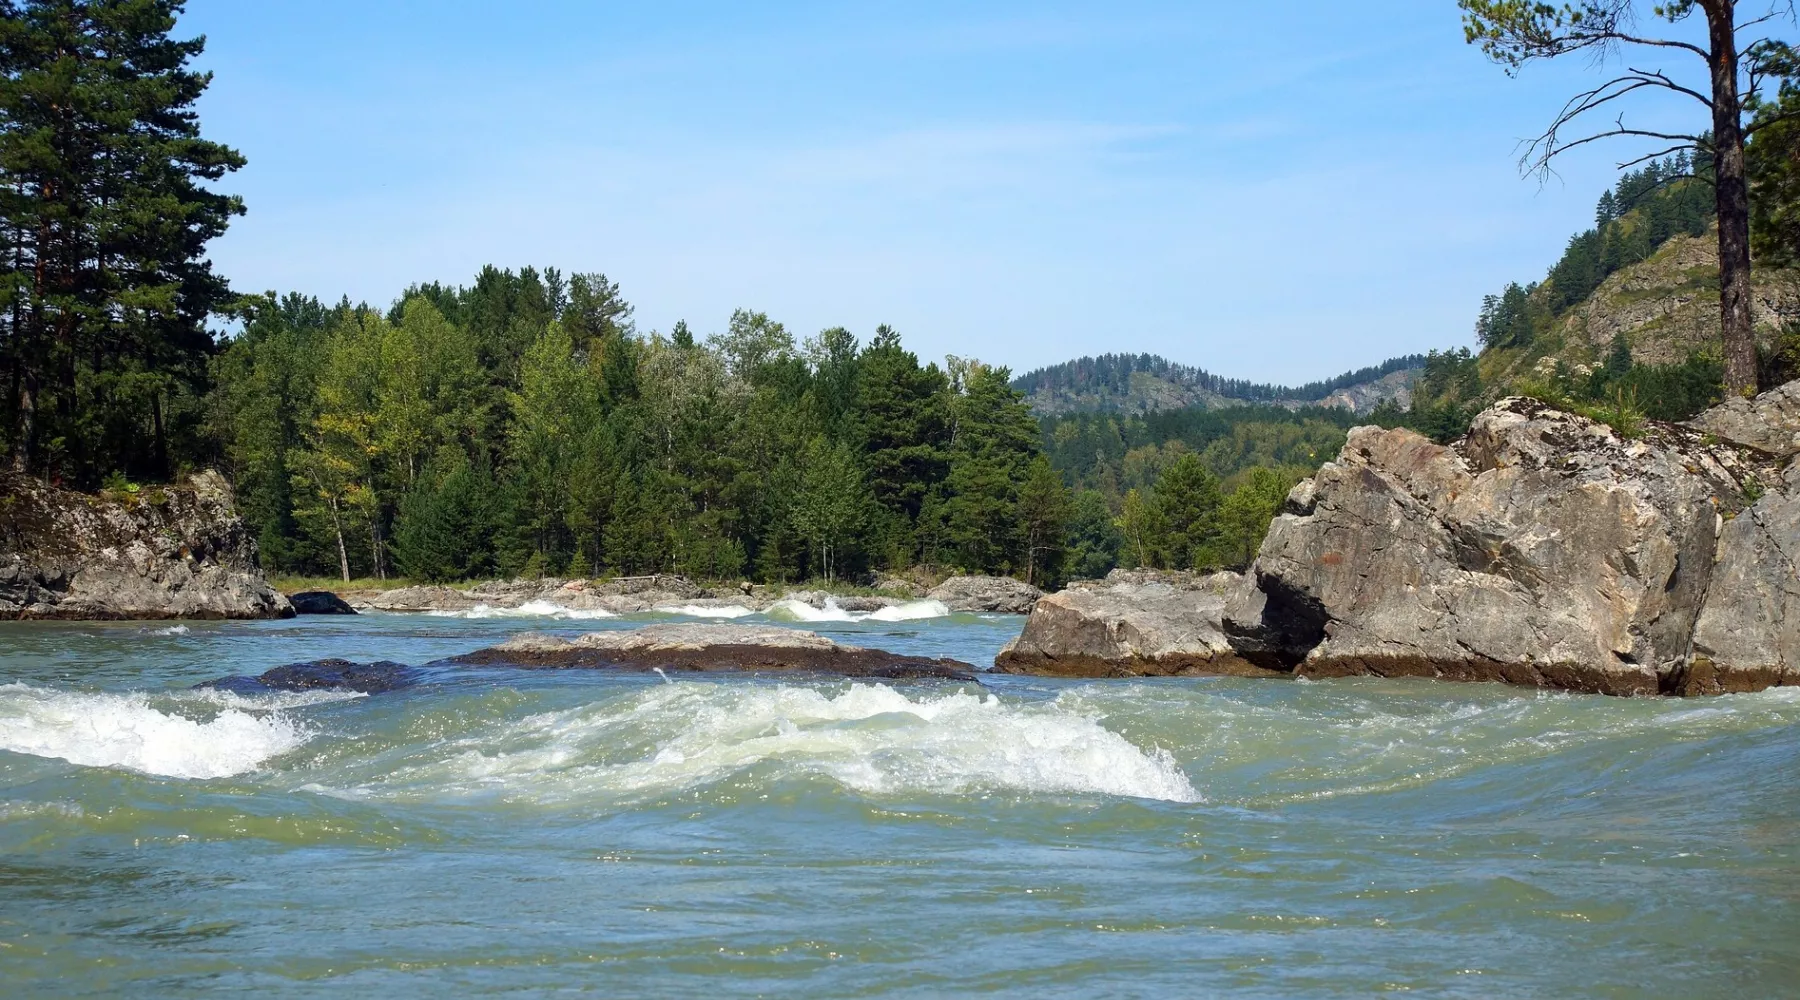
point(1143, 382)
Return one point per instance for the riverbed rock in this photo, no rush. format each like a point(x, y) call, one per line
point(1748, 633)
point(153, 552)
point(1001, 594)
point(1133, 624)
point(319, 602)
point(330, 674)
point(709, 647)
point(1542, 549)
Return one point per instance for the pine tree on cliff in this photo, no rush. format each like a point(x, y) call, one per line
point(105, 288)
point(1514, 32)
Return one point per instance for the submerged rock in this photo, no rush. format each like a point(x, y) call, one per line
point(331, 674)
point(159, 552)
point(1542, 549)
point(1134, 624)
point(712, 648)
point(1001, 594)
point(319, 602)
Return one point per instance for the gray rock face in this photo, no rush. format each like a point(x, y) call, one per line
point(1769, 423)
point(1748, 634)
point(165, 552)
point(999, 594)
point(1135, 624)
point(1542, 549)
point(713, 648)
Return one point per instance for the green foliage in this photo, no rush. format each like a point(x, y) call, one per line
point(1045, 510)
point(445, 519)
point(1096, 540)
point(108, 205)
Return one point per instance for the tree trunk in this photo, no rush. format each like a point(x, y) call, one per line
point(337, 525)
point(1733, 198)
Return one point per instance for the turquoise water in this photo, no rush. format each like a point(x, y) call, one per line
point(498, 832)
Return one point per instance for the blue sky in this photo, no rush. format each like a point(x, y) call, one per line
point(1275, 192)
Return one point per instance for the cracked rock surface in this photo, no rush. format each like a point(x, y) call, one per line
point(1541, 549)
point(158, 552)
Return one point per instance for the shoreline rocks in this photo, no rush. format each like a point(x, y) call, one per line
point(991, 594)
point(638, 595)
point(712, 648)
point(155, 553)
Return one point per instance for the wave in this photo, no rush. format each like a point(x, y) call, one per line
point(127, 731)
point(170, 630)
point(791, 610)
point(530, 609)
point(706, 610)
point(673, 738)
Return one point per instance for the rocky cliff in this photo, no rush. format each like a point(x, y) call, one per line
point(1542, 549)
point(156, 552)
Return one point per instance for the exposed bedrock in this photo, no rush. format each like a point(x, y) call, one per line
point(155, 552)
point(713, 648)
point(1542, 549)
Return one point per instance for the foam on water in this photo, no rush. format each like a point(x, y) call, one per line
point(127, 731)
point(170, 630)
point(799, 611)
point(530, 609)
point(707, 610)
point(871, 738)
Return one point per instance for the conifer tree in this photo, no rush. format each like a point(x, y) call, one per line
point(105, 213)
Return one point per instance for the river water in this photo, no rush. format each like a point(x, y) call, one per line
point(495, 832)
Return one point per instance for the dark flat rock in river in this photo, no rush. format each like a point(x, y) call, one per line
point(319, 602)
point(331, 674)
point(713, 648)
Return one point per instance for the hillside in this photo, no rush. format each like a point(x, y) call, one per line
point(1142, 383)
point(1624, 325)
point(1666, 308)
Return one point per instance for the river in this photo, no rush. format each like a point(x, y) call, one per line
point(516, 832)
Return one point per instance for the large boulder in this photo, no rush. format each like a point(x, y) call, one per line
point(712, 648)
point(1134, 624)
point(1001, 594)
point(319, 602)
point(156, 552)
point(1542, 549)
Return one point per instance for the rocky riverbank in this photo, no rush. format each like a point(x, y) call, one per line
point(148, 553)
point(1542, 549)
point(668, 592)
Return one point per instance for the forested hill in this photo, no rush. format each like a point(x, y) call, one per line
point(1139, 383)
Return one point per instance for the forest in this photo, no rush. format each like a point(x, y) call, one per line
point(521, 425)
point(1109, 376)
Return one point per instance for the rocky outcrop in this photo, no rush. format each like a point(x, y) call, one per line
point(712, 648)
point(153, 552)
point(1136, 623)
point(319, 602)
point(1542, 549)
point(1000, 594)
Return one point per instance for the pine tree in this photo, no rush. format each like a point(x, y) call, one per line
point(1187, 498)
point(105, 214)
point(1044, 511)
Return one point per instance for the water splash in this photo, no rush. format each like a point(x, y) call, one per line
point(127, 731)
point(530, 609)
point(870, 738)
